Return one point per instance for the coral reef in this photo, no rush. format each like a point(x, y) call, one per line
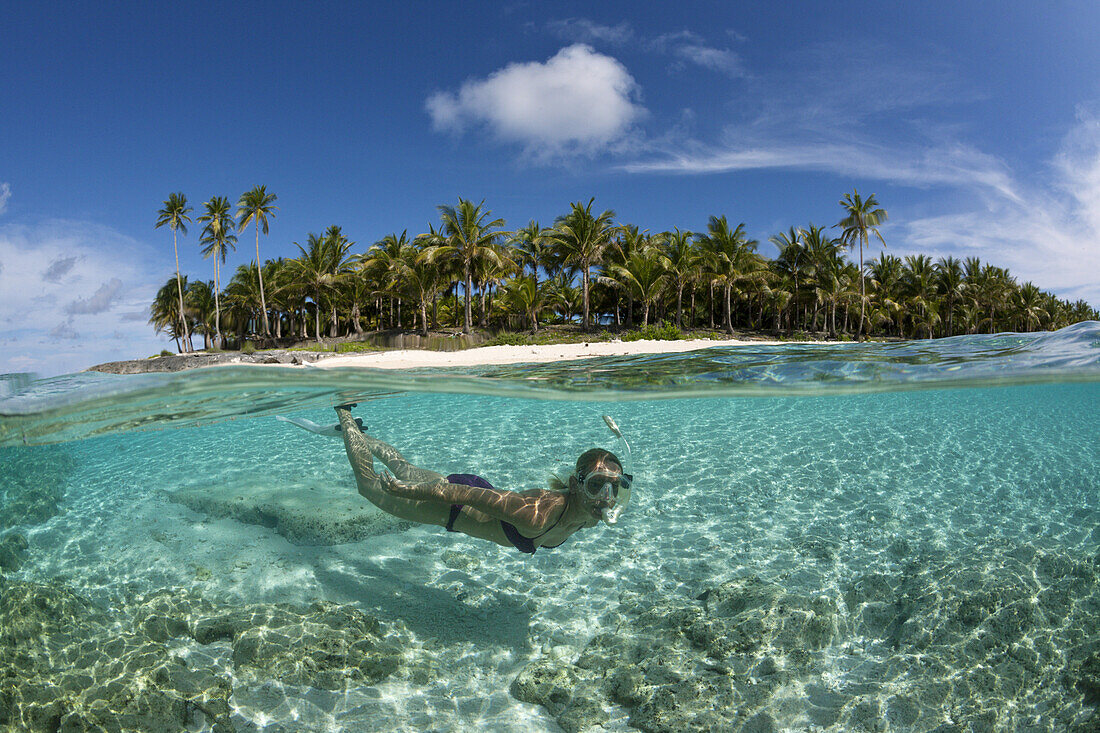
point(66, 664)
point(1003, 637)
point(309, 516)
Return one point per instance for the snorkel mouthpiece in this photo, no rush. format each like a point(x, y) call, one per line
point(611, 514)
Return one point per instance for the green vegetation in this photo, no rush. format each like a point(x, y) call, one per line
point(612, 277)
point(348, 347)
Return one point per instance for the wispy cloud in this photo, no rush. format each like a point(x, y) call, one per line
point(5, 196)
point(67, 289)
point(1050, 234)
point(685, 47)
point(1043, 225)
point(578, 101)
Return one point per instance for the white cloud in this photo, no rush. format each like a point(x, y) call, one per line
point(578, 101)
point(5, 196)
point(66, 289)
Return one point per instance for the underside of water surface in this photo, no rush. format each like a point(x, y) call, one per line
point(860, 537)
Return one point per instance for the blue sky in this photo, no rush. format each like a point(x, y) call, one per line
point(977, 125)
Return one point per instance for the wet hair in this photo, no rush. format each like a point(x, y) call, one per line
point(585, 463)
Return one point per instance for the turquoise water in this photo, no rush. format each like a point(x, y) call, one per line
point(877, 537)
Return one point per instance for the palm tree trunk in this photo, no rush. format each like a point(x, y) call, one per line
point(179, 287)
point(680, 306)
point(727, 307)
point(862, 292)
point(645, 313)
point(218, 342)
point(469, 319)
point(260, 274)
point(355, 319)
point(424, 317)
point(584, 282)
point(317, 314)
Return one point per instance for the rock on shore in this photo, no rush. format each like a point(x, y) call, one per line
point(179, 362)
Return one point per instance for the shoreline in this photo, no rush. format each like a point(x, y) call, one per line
point(397, 359)
point(531, 354)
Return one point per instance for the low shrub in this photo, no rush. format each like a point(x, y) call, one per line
point(248, 348)
point(663, 331)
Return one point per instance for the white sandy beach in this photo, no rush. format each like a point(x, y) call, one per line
point(488, 355)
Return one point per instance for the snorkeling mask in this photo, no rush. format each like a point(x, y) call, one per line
point(614, 487)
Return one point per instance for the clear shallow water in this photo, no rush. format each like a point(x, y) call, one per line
point(818, 557)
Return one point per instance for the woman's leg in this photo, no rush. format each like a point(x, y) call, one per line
point(362, 463)
point(397, 464)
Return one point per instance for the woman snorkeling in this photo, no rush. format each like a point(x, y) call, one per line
point(597, 489)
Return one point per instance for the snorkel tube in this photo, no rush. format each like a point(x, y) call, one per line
point(611, 516)
point(329, 430)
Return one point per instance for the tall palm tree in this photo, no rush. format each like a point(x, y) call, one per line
point(256, 207)
point(219, 238)
point(174, 213)
point(862, 218)
point(465, 236)
point(726, 253)
point(581, 239)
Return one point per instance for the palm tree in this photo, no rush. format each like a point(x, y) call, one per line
point(201, 305)
point(255, 207)
point(919, 279)
point(886, 272)
point(726, 253)
point(681, 262)
point(387, 263)
point(219, 238)
point(524, 294)
point(581, 239)
point(643, 275)
point(949, 279)
point(174, 213)
point(465, 237)
point(862, 218)
point(532, 245)
point(165, 314)
point(792, 258)
point(324, 261)
point(1029, 302)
